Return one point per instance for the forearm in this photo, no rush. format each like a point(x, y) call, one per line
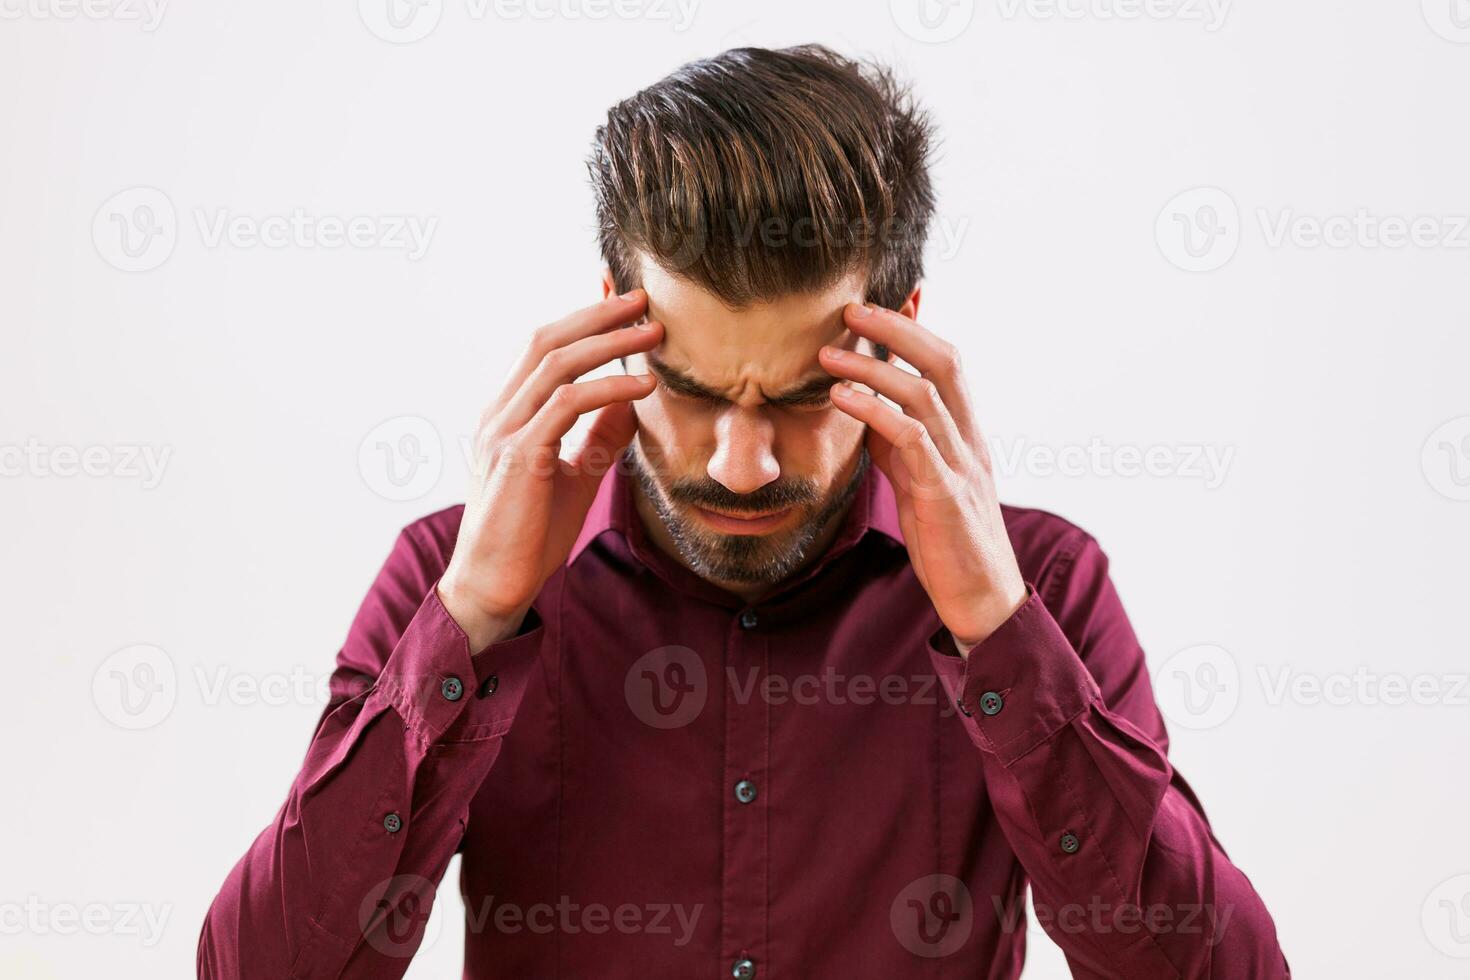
point(1127, 876)
point(343, 878)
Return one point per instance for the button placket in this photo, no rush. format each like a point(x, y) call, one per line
point(743, 929)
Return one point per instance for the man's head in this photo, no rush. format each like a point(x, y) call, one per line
point(753, 196)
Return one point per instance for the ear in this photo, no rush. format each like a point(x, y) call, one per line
point(607, 282)
point(910, 307)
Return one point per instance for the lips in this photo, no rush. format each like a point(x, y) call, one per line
point(743, 524)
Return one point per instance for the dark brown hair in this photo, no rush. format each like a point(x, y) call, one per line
point(760, 173)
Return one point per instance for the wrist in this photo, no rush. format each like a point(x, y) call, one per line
point(481, 623)
point(993, 611)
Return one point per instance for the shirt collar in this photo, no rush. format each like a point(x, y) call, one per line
point(873, 509)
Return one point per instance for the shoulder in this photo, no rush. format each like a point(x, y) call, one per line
point(1048, 546)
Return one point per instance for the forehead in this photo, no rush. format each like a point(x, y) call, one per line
point(769, 345)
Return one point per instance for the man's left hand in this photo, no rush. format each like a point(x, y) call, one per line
point(936, 458)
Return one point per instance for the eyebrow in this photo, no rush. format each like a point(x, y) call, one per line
point(808, 391)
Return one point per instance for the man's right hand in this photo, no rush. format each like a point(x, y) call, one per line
point(526, 505)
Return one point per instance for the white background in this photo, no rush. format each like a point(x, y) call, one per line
point(1331, 548)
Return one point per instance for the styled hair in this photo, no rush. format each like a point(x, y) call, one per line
point(762, 173)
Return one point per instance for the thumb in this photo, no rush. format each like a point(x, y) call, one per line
point(612, 429)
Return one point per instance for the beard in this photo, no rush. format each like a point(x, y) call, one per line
point(747, 559)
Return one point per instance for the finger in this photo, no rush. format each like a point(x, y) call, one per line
point(905, 436)
point(566, 364)
point(918, 397)
point(932, 356)
point(571, 401)
point(615, 311)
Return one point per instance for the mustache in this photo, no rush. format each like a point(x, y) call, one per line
point(716, 496)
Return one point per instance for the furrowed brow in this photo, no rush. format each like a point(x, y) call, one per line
point(811, 390)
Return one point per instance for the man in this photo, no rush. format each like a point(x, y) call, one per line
point(780, 691)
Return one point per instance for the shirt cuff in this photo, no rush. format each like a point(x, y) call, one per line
point(445, 694)
point(1019, 686)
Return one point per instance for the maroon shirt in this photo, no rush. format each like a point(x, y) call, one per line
point(654, 779)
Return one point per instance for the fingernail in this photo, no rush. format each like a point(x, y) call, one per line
point(644, 324)
point(862, 309)
point(629, 296)
point(836, 353)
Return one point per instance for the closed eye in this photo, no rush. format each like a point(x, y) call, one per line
point(692, 396)
point(809, 404)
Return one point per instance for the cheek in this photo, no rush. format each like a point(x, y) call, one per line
point(668, 427)
point(821, 445)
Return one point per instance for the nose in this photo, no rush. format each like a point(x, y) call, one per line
point(744, 459)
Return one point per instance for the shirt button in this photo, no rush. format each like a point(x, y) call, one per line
point(744, 970)
point(392, 823)
point(1070, 843)
point(452, 689)
point(991, 703)
point(745, 791)
point(491, 685)
point(749, 620)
